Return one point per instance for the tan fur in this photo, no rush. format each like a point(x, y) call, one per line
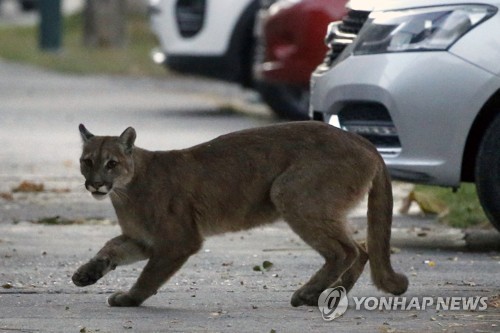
point(308, 173)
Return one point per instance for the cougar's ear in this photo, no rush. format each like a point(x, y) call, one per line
point(128, 138)
point(86, 135)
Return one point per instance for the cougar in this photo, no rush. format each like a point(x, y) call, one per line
point(310, 174)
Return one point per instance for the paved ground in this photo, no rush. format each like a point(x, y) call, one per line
point(218, 289)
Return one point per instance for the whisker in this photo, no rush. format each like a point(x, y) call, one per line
point(121, 194)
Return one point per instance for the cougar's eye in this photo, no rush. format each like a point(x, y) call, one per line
point(111, 165)
point(87, 162)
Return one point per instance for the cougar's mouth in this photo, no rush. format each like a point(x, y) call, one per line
point(98, 193)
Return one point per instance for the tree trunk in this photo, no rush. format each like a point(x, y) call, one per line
point(105, 23)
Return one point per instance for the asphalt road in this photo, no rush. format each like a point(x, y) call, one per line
point(218, 290)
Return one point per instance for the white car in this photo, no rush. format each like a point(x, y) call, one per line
point(420, 80)
point(213, 38)
point(220, 39)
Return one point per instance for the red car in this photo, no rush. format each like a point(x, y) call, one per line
point(290, 44)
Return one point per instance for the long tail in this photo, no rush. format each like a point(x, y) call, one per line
point(380, 204)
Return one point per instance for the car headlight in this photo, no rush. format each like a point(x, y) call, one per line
point(421, 29)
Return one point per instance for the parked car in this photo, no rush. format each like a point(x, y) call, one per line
point(420, 80)
point(216, 38)
point(212, 38)
point(26, 5)
point(290, 45)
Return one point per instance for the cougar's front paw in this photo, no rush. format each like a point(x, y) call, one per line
point(91, 272)
point(123, 299)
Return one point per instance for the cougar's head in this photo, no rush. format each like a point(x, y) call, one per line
point(106, 161)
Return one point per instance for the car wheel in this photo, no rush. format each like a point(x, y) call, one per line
point(28, 5)
point(286, 101)
point(487, 173)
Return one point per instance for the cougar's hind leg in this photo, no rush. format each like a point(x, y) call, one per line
point(349, 278)
point(338, 250)
point(315, 206)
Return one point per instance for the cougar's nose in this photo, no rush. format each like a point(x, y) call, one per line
point(93, 186)
point(98, 184)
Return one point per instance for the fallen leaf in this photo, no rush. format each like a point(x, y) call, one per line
point(54, 220)
point(267, 265)
point(6, 196)
point(27, 186)
point(494, 301)
point(60, 190)
point(428, 204)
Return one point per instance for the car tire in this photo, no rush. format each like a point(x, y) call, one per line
point(28, 5)
point(286, 101)
point(487, 173)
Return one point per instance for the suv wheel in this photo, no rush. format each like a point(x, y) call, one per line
point(286, 101)
point(487, 173)
point(28, 5)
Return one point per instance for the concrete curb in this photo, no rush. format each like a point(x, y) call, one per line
point(482, 240)
point(443, 238)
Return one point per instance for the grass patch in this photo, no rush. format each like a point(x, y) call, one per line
point(20, 44)
point(464, 207)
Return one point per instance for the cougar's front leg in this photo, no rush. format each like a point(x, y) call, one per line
point(160, 267)
point(120, 250)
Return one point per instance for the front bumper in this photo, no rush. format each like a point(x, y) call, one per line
point(431, 99)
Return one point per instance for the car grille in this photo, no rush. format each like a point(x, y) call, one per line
point(373, 122)
point(190, 15)
point(340, 34)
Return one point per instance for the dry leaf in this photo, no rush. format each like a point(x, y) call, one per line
point(60, 190)
point(427, 203)
point(267, 265)
point(6, 196)
point(494, 301)
point(27, 186)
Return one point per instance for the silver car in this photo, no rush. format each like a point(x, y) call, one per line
point(421, 80)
